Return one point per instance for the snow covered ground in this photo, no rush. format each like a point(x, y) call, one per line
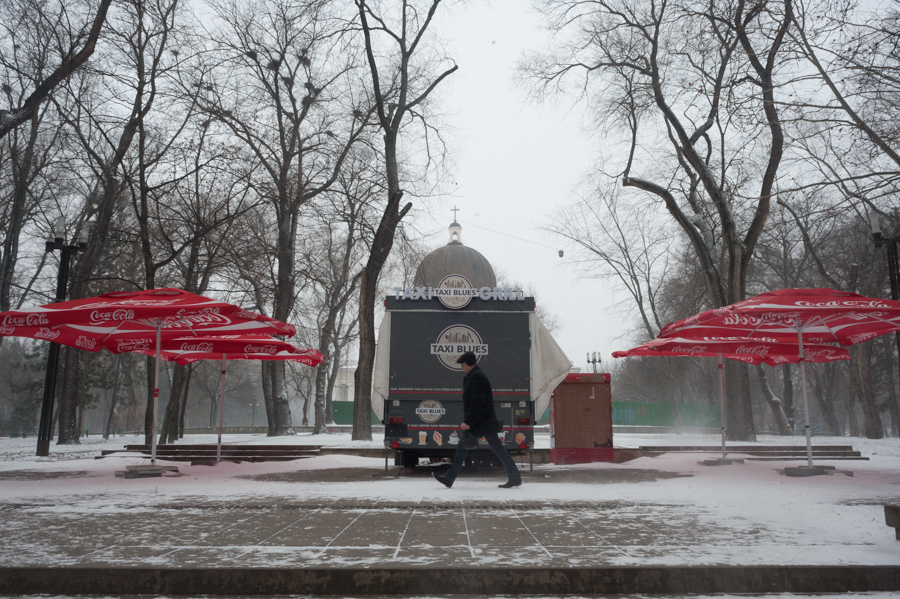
point(664, 510)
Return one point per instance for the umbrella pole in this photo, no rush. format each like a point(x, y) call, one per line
point(803, 387)
point(722, 402)
point(221, 410)
point(155, 393)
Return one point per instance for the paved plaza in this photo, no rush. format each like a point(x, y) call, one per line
point(344, 512)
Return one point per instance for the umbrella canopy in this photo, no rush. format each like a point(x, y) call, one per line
point(751, 351)
point(137, 315)
point(310, 357)
point(805, 315)
point(215, 345)
point(819, 315)
point(188, 350)
point(94, 322)
point(755, 351)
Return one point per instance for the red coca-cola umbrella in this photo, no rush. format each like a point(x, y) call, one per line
point(805, 315)
point(756, 351)
point(187, 350)
point(93, 322)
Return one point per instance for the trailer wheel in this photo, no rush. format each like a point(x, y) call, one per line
point(410, 460)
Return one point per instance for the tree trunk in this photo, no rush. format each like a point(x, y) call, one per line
point(787, 383)
point(737, 402)
point(112, 400)
point(184, 400)
point(169, 431)
point(265, 367)
point(148, 410)
point(871, 418)
point(281, 414)
point(325, 340)
point(22, 172)
point(852, 393)
point(362, 378)
point(329, 396)
point(68, 398)
point(822, 388)
point(306, 401)
point(781, 421)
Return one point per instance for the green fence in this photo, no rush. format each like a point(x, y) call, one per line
point(343, 413)
point(640, 413)
point(625, 413)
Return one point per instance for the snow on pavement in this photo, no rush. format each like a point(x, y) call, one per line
point(663, 510)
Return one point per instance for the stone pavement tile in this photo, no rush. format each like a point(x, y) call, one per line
point(376, 527)
point(354, 556)
point(621, 532)
point(319, 528)
point(434, 555)
point(436, 527)
point(207, 557)
point(27, 528)
point(585, 555)
point(557, 529)
point(656, 555)
point(496, 527)
point(512, 556)
point(43, 554)
point(129, 556)
point(248, 528)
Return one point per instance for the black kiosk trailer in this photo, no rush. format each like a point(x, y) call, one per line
point(423, 410)
point(455, 306)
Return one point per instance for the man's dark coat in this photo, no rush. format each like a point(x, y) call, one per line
point(478, 403)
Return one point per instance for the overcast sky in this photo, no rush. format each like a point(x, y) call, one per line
point(514, 163)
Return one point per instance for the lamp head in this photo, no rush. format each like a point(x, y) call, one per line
point(84, 235)
point(877, 235)
point(59, 229)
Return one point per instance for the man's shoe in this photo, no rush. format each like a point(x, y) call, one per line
point(510, 484)
point(442, 479)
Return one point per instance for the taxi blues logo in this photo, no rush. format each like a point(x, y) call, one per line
point(454, 341)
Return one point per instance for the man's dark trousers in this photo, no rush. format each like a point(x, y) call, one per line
point(494, 441)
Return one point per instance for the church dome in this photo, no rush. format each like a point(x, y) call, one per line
point(455, 259)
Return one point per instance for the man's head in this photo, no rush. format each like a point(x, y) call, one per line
point(467, 361)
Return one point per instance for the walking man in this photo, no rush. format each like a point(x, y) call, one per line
point(481, 421)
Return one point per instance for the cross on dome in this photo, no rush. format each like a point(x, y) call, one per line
point(455, 228)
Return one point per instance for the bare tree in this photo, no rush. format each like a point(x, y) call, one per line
point(284, 92)
point(71, 46)
point(677, 71)
point(399, 65)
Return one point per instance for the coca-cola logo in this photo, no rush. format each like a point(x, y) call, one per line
point(743, 320)
point(25, 320)
point(757, 350)
point(119, 314)
point(247, 315)
point(860, 337)
point(690, 351)
point(821, 353)
point(868, 305)
point(85, 343)
point(746, 359)
point(776, 360)
point(262, 349)
point(5, 330)
point(722, 310)
point(134, 345)
point(201, 346)
point(45, 333)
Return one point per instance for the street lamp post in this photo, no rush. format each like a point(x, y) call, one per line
point(593, 359)
point(57, 242)
point(890, 244)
